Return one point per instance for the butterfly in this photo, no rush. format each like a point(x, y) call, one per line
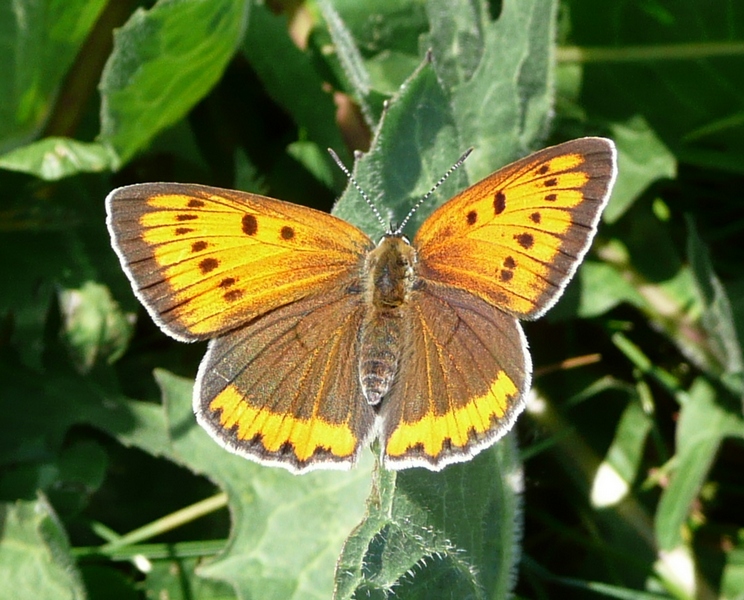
point(322, 340)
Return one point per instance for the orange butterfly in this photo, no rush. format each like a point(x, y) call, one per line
point(322, 340)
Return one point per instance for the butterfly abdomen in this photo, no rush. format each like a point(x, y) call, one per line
point(389, 276)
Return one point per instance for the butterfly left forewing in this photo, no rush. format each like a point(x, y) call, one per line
point(515, 238)
point(461, 382)
point(204, 260)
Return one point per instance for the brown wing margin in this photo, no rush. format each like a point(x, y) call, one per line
point(284, 390)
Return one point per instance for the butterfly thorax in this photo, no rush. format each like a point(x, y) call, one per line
point(389, 276)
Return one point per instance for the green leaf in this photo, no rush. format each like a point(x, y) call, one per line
point(187, 585)
point(601, 287)
point(414, 145)
point(618, 470)
point(732, 580)
point(53, 158)
point(34, 554)
point(502, 109)
point(723, 344)
point(287, 530)
point(94, 326)
point(313, 109)
point(450, 534)
point(703, 423)
point(678, 64)
point(350, 58)
point(40, 40)
point(642, 159)
point(164, 61)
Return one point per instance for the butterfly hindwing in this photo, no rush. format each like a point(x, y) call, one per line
point(516, 237)
point(284, 389)
point(461, 382)
point(205, 260)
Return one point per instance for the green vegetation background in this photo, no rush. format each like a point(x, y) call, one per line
point(623, 479)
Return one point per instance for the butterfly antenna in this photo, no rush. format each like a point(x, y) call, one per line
point(359, 189)
point(428, 194)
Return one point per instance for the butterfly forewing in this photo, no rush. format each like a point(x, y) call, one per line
point(516, 237)
point(204, 260)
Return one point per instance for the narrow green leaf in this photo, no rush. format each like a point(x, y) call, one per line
point(732, 580)
point(717, 318)
point(665, 66)
point(618, 470)
point(54, 158)
point(349, 57)
point(703, 423)
point(313, 109)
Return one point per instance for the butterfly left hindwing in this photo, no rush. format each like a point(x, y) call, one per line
point(282, 388)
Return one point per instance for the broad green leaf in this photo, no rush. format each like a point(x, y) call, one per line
point(39, 41)
point(287, 530)
point(449, 534)
point(34, 554)
point(601, 287)
point(164, 61)
point(502, 108)
point(642, 159)
point(414, 146)
point(54, 158)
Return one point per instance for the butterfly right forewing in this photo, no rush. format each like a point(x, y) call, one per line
point(515, 238)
